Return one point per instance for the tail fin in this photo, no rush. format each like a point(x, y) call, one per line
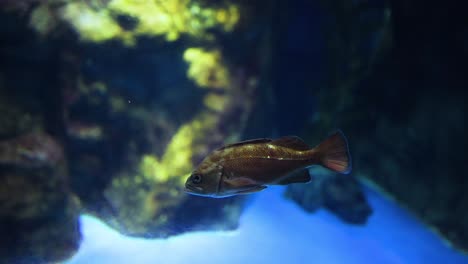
point(334, 153)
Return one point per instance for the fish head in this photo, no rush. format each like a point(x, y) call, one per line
point(205, 181)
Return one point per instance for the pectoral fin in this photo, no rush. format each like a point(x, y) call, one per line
point(252, 190)
point(240, 181)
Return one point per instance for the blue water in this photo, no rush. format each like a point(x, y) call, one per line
point(274, 230)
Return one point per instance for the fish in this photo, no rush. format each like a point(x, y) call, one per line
point(250, 166)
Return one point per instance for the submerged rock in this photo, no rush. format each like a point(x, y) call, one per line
point(139, 119)
point(38, 214)
point(143, 196)
point(164, 210)
point(340, 194)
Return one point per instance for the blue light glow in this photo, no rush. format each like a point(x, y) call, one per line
point(275, 230)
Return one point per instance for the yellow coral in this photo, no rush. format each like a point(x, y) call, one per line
point(155, 17)
point(228, 17)
point(42, 20)
point(215, 102)
point(148, 165)
point(178, 154)
point(176, 163)
point(93, 25)
point(95, 21)
point(206, 68)
point(118, 104)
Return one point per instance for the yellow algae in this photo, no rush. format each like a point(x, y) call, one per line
point(228, 17)
point(96, 21)
point(89, 132)
point(148, 166)
point(150, 206)
point(174, 192)
point(178, 155)
point(154, 17)
point(82, 86)
point(118, 104)
point(176, 162)
point(42, 20)
point(93, 25)
point(206, 68)
point(87, 89)
point(215, 102)
point(138, 180)
point(116, 182)
point(100, 87)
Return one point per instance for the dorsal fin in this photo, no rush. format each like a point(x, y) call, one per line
point(291, 142)
point(246, 142)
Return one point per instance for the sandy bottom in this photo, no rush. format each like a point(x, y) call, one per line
point(275, 230)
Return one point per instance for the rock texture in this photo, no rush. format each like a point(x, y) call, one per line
point(340, 194)
point(37, 210)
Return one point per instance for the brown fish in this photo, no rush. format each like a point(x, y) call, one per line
point(250, 166)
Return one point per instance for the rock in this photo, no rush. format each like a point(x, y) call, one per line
point(38, 214)
point(340, 194)
point(30, 151)
point(163, 210)
point(343, 196)
point(144, 195)
point(141, 114)
point(308, 196)
point(14, 121)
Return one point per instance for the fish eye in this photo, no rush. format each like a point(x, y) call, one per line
point(196, 178)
